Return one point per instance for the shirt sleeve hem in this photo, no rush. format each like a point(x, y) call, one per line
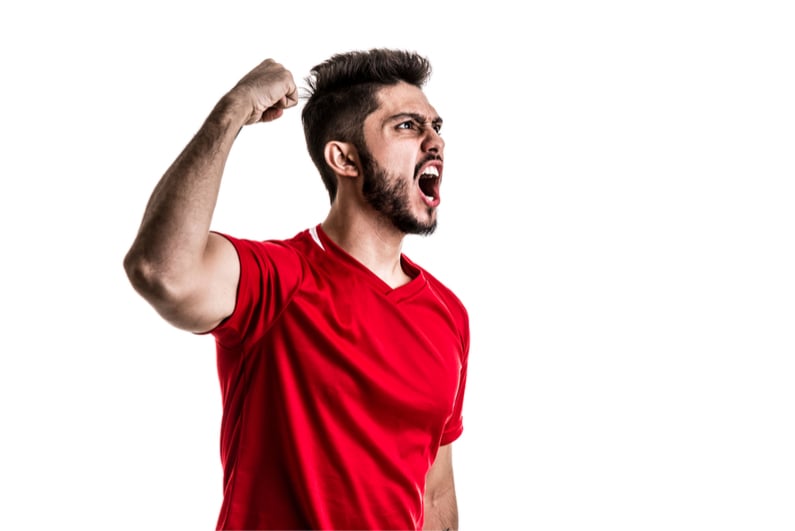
point(451, 435)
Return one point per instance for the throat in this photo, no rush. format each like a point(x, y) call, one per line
point(377, 249)
point(394, 277)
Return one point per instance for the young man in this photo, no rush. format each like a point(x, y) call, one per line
point(342, 363)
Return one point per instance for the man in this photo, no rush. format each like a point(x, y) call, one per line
point(342, 363)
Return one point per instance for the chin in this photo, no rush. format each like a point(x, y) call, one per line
point(415, 226)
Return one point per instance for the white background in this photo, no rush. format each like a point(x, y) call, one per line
point(617, 215)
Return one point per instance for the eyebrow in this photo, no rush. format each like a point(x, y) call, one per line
point(419, 118)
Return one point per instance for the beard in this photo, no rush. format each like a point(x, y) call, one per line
point(391, 199)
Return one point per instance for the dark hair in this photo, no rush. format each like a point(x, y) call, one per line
point(341, 93)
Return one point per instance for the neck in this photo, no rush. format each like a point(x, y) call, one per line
point(370, 239)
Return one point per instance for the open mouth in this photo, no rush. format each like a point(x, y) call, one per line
point(429, 182)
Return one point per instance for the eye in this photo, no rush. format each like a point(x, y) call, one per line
point(438, 128)
point(409, 124)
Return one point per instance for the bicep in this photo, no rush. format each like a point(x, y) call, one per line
point(212, 291)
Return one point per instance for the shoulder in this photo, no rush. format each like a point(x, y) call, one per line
point(271, 251)
point(445, 295)
point(455, 309)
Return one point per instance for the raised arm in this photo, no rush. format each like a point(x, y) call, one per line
point(188, 274)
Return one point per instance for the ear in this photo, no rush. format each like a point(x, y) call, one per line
point(343, 158)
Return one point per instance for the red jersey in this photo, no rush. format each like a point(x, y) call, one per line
point(337, 389)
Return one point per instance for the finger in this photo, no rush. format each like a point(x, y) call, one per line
point(287, 101)
point(271, 114)
point(291, 98)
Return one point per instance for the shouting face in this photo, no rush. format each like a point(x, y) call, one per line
point(402, 161)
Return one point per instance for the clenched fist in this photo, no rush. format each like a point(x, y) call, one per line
point(267, 90)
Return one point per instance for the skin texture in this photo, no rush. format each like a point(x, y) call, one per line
point(441, 508)
point(190, 275)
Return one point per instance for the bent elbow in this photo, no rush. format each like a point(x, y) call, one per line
point(148, 279)
point(172, 296)
point(140, 273)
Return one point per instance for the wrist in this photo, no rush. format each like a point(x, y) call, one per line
point(231, 111)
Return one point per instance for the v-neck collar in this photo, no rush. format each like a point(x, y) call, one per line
point(329, 250)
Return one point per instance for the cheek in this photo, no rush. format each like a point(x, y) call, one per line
point(401, 162)
point(398, 157)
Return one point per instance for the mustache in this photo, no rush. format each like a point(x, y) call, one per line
point(423, 162)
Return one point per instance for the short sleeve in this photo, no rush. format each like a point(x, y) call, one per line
point(270, 273)
point(455, 426)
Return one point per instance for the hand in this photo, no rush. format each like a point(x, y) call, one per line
point(266, 91)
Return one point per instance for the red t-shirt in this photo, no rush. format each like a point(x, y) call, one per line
point(337, 389)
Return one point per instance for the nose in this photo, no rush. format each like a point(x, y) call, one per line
point(433, 142)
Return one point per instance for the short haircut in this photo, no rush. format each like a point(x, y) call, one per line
point(342, 91)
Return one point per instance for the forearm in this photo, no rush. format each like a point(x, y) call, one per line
point(176, 223)
point(441, 511)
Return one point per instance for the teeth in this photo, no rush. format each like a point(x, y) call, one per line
point(431, 171)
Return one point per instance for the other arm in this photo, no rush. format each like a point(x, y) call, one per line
point(188, 274)
point(441, 507)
